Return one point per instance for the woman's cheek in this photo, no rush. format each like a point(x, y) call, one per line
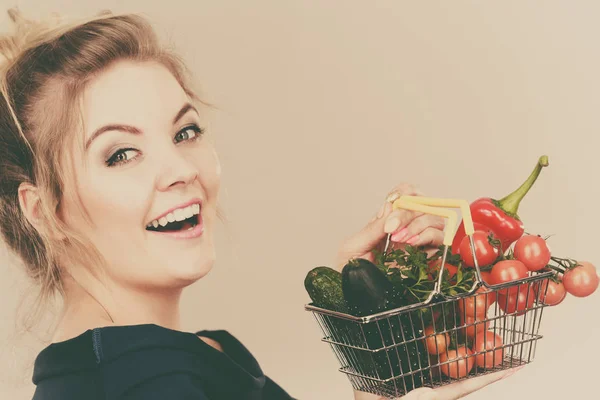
point(217, 162)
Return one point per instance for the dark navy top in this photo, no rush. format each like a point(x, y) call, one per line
point(149, 362)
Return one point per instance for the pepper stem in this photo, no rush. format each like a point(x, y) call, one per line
point(510, 203)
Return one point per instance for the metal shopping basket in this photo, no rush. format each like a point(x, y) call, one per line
point(396, 351)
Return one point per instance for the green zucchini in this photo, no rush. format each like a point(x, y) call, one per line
point(324, 286)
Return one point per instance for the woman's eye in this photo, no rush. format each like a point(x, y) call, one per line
point(123, 156)
point(120, 157)
point(191, 132)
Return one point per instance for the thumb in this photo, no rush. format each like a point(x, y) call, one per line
point(361, 243)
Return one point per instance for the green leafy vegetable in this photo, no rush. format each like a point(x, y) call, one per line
point(409, 269)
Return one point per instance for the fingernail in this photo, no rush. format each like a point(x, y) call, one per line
point(399, 236)
point(391, 224)
point(413, 240)
point(388, 208)
point(392, 197)
point(381, 210)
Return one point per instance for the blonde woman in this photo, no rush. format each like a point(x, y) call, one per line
point(108, 194)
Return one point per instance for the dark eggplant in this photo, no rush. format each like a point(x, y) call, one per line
point(366, 288)
point(368, 291)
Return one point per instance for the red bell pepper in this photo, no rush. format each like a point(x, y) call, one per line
point(500, 217)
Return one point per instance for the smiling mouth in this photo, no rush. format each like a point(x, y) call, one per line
point(176, 226)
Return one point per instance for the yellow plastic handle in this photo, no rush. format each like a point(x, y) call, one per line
point(438, 206)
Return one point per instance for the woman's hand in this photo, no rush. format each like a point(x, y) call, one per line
point(408, 227)
point(452, 391)
point(416, 229)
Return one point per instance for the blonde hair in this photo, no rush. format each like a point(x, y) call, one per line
point(45, 69)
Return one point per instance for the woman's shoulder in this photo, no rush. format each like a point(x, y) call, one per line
point(107, 362)
point(135, 361)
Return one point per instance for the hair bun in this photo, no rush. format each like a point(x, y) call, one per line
point(28, 33)
point(11, 43)
point(25, 34)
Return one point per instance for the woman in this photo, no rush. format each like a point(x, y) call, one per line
point(108, 193)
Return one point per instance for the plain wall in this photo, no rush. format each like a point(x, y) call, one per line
point(324, 106)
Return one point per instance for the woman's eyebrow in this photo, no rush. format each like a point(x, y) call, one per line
point(184, 110)
point(112, 127)
point(132, 129)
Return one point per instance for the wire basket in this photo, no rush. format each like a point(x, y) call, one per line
point(393, 352)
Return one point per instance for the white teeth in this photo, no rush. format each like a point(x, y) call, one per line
point(179, 214)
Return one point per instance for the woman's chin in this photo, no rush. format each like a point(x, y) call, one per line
point(180, 268)
point(186, 274)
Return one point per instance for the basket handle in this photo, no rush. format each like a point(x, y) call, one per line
point(432, 205)
point(440, 207)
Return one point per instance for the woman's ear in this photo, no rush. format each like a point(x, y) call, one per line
point(29, 200)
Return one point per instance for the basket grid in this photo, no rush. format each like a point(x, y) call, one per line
point(388, 356)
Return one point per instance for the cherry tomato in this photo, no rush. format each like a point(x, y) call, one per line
point(460, 234)
point(437, 343)
point(550, 292)
point(474, 325)
point(461, 362)
point(477, 305)
point(485, 276)
point(582, 280)
point(484, 251)
point(434, 360)
point(485, 343)
point(532, 251)
point(518, 303)
point(508, 271)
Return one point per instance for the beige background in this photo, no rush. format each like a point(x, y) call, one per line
point(325, 105)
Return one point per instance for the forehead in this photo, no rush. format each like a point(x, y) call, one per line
point(135, 93)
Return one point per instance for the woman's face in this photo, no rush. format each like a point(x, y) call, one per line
point(146, 163)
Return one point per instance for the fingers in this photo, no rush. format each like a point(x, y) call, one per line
point(373, 232)
point(385, 221)
point(366, 396)
point(383, 211)
point(368, 256)
point(415, 231)
point(410, 227)
point(421, 394)
point(403, 189)
point(361, 243)
point(398, 219)
point(458, 390)
point(429, 237)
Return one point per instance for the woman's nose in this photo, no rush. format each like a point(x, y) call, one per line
point(175, 169)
